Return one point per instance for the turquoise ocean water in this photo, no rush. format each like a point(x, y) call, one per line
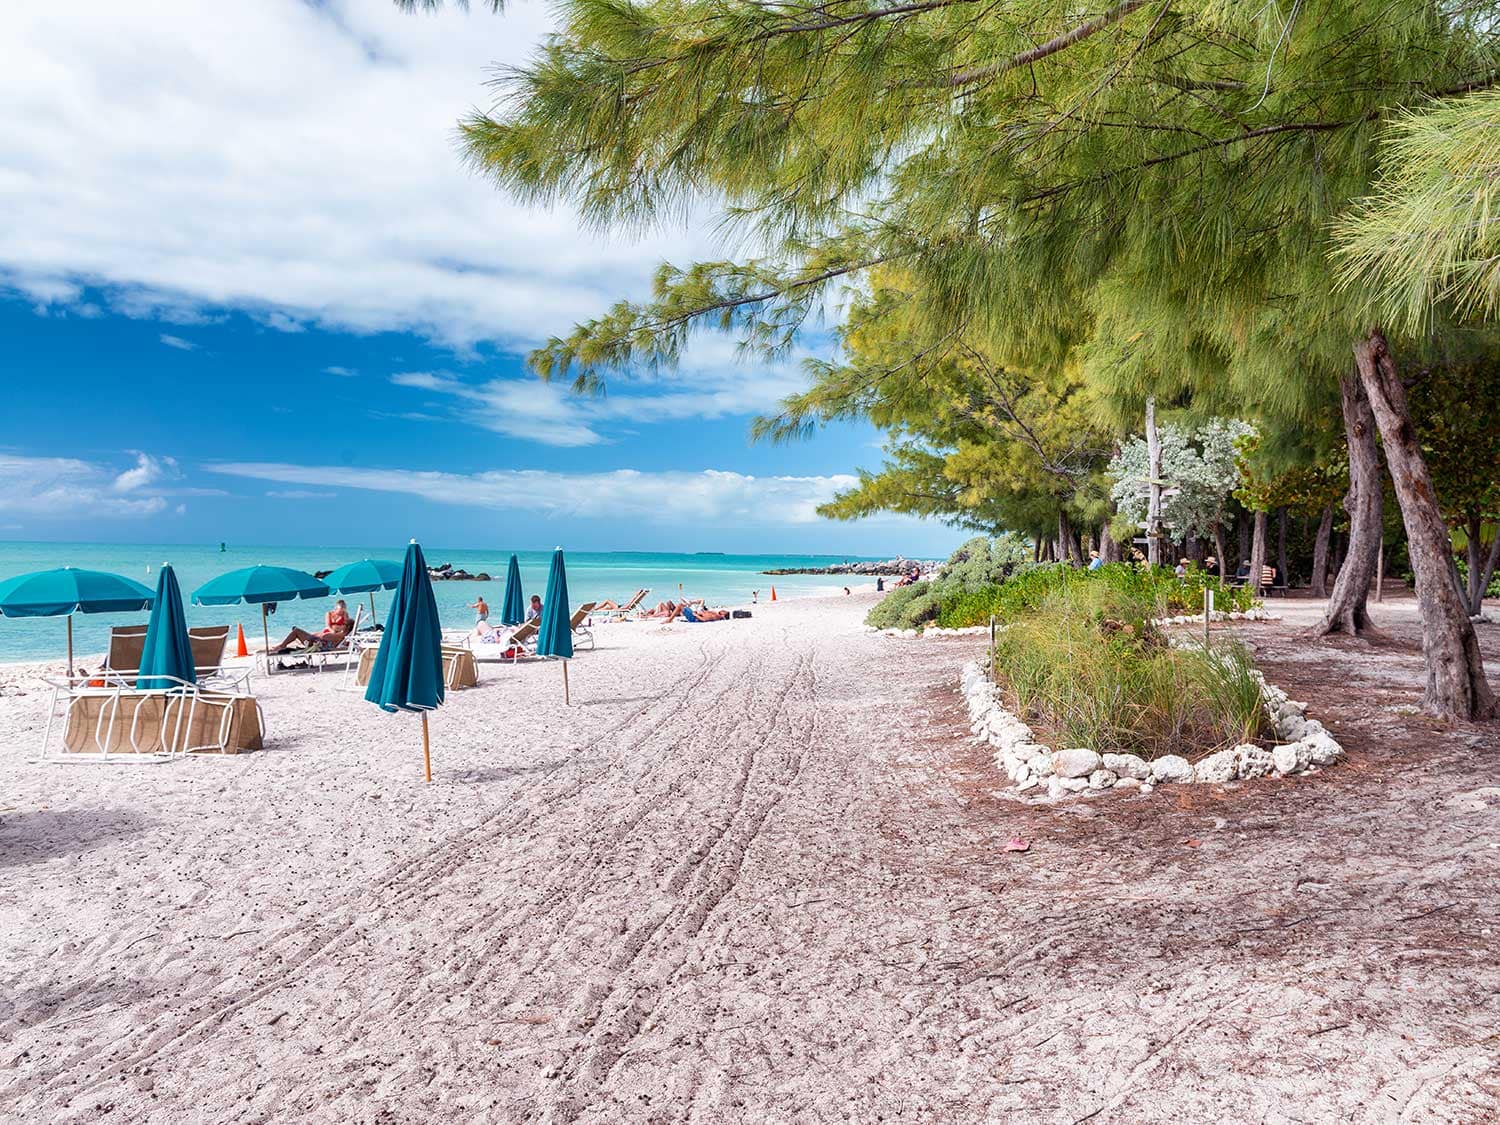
point(592, 576)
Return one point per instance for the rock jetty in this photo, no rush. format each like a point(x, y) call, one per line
point(895, 567)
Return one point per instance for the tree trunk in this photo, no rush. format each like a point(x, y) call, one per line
point(1109, 550)
point(1283, 570)
point(1036, 548)
point(1258, 552)
point(1320, 554)
point(1242, 529)
point(1071, 550)
point(1346, 611)
point(1486, 572)
point(1481, 563)
point(1219, 547)
point(1153, 470)
point(1456, 687)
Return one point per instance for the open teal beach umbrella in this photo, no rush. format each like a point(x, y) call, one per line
point(365, 577)
point(259, 585)
point(513, 609)
point(556, 637)
point(168, 652)
point(66, 591)
point(408, 670)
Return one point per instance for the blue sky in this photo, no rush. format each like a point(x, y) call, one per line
point(259, 299)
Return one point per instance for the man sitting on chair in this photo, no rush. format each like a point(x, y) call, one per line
point(336, 626)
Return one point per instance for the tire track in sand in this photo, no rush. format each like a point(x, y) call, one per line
point(654, 952)
point(361, 909)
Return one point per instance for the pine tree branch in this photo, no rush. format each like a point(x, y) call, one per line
point(869, 16)
point(679, 318)
point(1042, 50)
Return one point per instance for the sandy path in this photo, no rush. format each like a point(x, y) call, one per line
point(754, 874)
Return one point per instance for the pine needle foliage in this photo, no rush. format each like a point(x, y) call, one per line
point(1429, 233)
point(1159, 178)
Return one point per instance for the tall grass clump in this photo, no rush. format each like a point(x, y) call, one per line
point(1088, 668)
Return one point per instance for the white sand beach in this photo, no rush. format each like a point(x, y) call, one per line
point(753, 873)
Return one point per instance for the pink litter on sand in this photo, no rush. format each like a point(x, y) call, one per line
point(1017, 844)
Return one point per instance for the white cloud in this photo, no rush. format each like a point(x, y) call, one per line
point(147, 470)
point(671, 497)
point(710, 383)
point(283, 323)
point(65, 487)
point(341, 372)
point(178, 342)
point(293, 160)
point(299, 494)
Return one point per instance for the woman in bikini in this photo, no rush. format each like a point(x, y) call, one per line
point(336, 626)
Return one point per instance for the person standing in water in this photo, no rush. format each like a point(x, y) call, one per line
point(481, 609)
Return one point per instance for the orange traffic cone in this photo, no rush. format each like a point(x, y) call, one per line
point(773, 593)
point(240, 649)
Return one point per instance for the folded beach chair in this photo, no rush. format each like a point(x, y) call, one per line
point(625, 608)
point(582, 632)
point(117, 722)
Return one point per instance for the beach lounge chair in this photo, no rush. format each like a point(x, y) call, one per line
point(320, 656)
point(624, 609)
point(207, 643)
point(126, 644)
point(581, 632)
point(518, 641)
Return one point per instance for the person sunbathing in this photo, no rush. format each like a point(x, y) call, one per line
point(667, 609)
point(336, 626)
point(701, 613)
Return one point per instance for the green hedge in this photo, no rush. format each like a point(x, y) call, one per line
point(955, 606)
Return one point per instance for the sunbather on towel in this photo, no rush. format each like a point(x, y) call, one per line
point(667, 610)
point(702, 613)
point(336, 626)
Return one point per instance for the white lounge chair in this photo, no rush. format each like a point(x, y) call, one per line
point(624, 609)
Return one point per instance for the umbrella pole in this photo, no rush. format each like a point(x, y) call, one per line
point(565, 683)
point(70, 646)
point(426, 748)
point(265, 631)
point(372, 607)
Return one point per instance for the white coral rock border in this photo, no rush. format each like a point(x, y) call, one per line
point(1256, 614)
point(1037, 770)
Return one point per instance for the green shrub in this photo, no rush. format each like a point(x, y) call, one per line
point(891, 612)
point(966, 593)
point(1087, 666)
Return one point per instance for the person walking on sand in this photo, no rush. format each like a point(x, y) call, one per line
point(481, 609)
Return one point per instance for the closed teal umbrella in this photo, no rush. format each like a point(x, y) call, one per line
point(365, 577)
point(260, 585)
point(168, 653)
point(513, 609)
point(66, 591)
point(408, 670)
point(556, 636)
